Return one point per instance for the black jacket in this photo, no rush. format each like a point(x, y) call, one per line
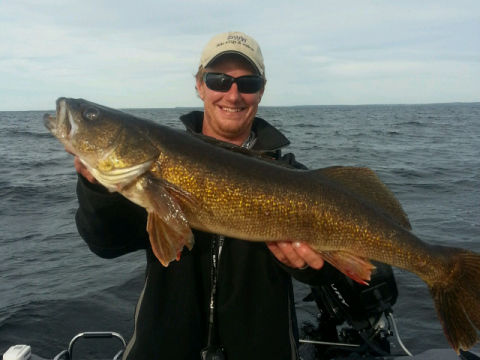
point(255, 316)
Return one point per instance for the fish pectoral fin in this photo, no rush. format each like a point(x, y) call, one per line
point(167, 240)
point(354, 267)
point(167, 225)
point(180, 195)
point(364, 182)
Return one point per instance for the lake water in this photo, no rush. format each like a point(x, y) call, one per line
point(52, 286)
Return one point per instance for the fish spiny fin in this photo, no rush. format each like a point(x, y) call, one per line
point(457, 299)
point(167, 225)
point(352, 266)
point(365, 183)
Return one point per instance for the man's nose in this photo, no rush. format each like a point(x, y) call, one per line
point(233, 93)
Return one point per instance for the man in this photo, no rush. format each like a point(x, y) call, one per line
point(226, 295)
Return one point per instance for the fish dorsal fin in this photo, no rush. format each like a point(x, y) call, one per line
point(365, 183)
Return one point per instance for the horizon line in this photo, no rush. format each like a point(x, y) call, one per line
point(279, 106)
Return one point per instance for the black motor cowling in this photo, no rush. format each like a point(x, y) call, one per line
point(358, 309)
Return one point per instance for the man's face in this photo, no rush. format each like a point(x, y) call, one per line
point(229, 115)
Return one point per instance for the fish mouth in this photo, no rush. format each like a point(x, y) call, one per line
point(49, 121)
point(61, 125)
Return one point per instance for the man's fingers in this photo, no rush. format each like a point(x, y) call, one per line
point(291, 255)
point(278, 253)
point(283, 252)
point(82, 170)
point(78, 164)
point(310, 256)
point(296, 254)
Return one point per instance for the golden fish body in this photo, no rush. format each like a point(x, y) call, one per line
point(347, 214)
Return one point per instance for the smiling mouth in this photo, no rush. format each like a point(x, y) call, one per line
point(231, 109)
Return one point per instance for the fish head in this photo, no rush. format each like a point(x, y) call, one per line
point(106, 140)
point(86, 129)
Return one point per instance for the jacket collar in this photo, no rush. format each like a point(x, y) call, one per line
point(268, 137)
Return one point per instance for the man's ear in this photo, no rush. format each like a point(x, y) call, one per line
point(200, 87)
point(260, 94)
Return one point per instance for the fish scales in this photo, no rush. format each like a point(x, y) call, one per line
point(255, 193)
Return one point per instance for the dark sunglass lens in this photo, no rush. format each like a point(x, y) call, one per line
point(222, 82)
point(249, 84)
point(218, 82)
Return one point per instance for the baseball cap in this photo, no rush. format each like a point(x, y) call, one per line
point(233, 42)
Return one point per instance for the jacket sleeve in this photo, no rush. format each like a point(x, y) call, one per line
point(110, 224)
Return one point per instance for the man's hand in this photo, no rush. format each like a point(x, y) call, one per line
point(296, 254)
point(82, 170)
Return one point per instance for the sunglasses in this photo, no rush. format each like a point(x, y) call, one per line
point(248, 84)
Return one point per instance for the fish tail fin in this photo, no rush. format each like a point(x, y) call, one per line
point(457, 300)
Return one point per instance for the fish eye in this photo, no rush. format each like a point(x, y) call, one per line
point(91, 114)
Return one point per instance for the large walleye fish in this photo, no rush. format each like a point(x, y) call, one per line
point(187, 181)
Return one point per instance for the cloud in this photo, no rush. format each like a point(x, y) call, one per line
point(145, 53)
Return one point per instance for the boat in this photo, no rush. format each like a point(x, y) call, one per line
point(354, 322)
point(24, 352)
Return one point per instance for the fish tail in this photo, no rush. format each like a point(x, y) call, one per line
point(457, 299)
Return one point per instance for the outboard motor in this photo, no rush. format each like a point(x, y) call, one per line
point(353, 317)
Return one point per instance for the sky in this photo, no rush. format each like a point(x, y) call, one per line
point(144, 53)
